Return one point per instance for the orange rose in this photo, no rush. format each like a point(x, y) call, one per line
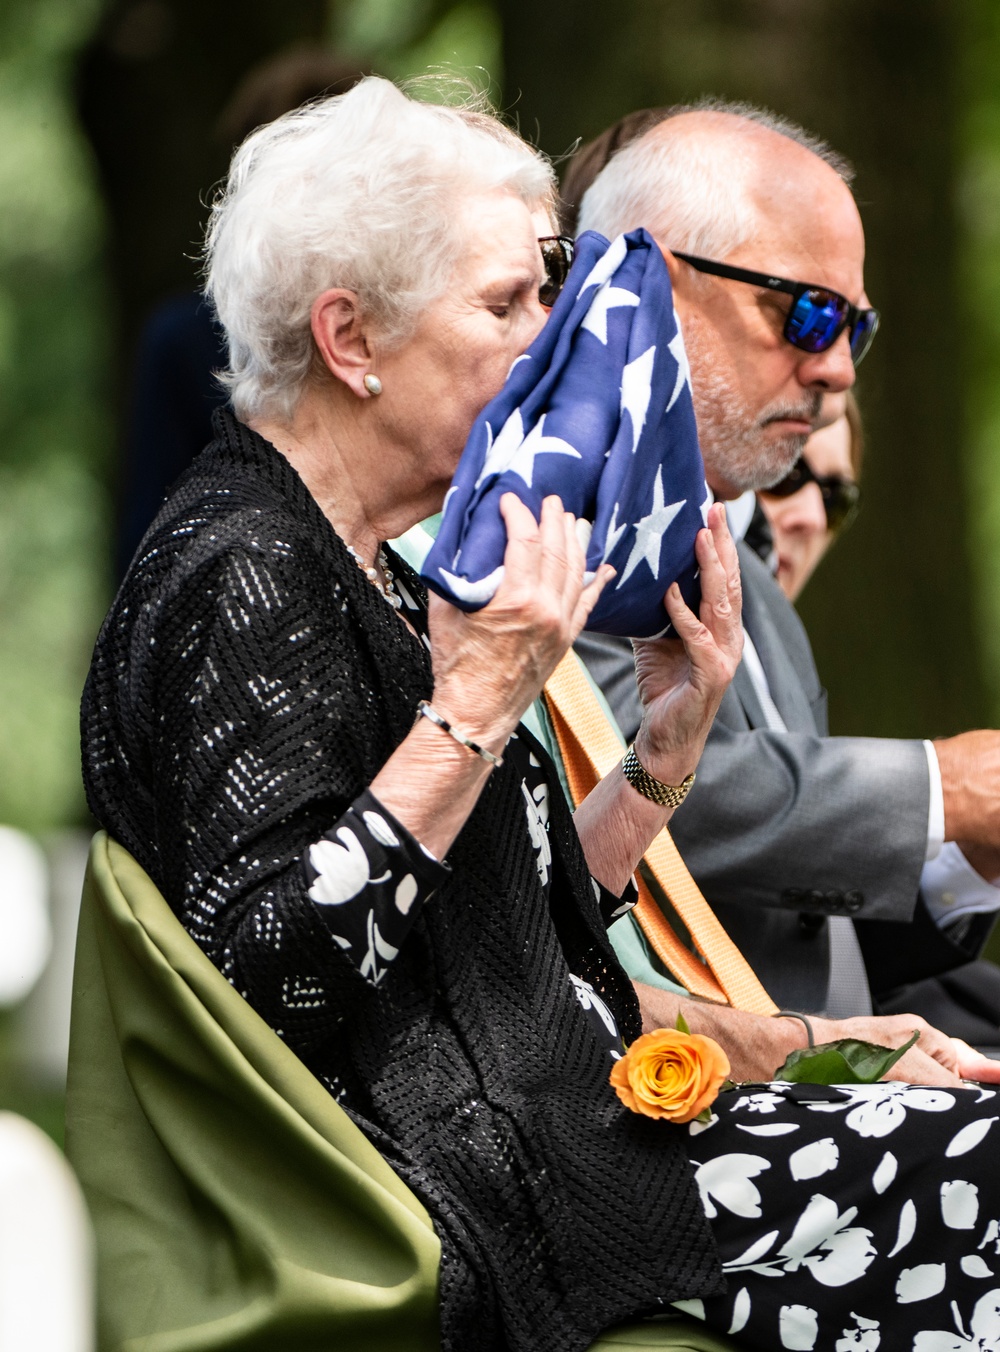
point(670, 1074)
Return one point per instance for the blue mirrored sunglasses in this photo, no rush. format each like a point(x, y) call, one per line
point(817, 317)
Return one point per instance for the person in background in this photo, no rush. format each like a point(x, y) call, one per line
point(840, 865)
point(816, 500)
point(174, 389)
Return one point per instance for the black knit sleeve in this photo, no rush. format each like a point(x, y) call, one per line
point(257, 748)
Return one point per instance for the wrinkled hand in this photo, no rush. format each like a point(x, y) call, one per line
point(970, 780)
point(490, 664)
point(936, 1059)
point(681, 681)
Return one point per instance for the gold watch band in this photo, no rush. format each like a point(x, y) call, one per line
point(667, 795)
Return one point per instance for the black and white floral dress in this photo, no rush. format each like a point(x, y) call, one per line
point(856, 1219)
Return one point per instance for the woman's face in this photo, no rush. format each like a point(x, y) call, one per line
point(436, 384)
point(798, 523)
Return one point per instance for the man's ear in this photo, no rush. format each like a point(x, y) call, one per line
point(340, 335)
point(683, 282)
point(673, 264)
point(681, 275)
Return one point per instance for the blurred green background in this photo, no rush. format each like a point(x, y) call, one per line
point(97, 226)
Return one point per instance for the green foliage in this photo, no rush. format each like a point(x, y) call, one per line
point(979, 209)
point(847, 1061)
point(53, 424)
point(404, 39)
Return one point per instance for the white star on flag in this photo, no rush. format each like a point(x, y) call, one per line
point(637, 379)
point(606, 266)
point(500, 452)
point(679, 353)
point(516, 452)
point(706, 506)
point(615, 533)
point(606, 298)
point(474, 593)
point(649, 532)
point(537, 443)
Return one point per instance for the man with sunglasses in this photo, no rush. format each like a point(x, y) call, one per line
point(812, 849)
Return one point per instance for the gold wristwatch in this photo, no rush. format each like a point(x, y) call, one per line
point(667, 795)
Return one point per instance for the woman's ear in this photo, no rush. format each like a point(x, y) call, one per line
point(339, 333)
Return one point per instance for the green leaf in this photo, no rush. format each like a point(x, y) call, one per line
point(681, 1024)
point(847, 1061)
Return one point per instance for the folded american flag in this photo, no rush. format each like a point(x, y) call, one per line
point(599, 412)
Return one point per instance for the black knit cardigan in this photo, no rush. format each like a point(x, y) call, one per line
point(247, 684)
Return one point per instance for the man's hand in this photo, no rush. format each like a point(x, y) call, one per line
point(970, 781)
point(985, 859)
point(757, 1046)
point(936, 1059)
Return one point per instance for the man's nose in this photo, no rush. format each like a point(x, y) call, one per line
point(805, 512)
point(832, 370)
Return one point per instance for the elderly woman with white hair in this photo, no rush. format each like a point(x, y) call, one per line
point(328, 778)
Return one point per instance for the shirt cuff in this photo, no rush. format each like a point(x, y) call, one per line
point(370, 878)
point(935, 809)
point(612, 907)
point(952, 888)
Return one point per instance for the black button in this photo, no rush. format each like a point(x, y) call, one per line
point(815, 899)
point(792, 896)
point(854, 901)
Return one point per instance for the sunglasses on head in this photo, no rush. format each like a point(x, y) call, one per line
point(818, 316)
point(840, 496)
point(557, 256)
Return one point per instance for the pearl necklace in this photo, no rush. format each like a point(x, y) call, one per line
point(388, 591)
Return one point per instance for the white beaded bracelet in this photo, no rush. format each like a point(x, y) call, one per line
point(428, 712)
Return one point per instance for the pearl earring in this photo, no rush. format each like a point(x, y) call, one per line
point(372, 384)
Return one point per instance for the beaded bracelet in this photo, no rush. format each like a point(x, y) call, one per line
point(432, 714)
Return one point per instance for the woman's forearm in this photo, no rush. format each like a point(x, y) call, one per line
point(616, 823)
point(756, 1046)
point(430, 784)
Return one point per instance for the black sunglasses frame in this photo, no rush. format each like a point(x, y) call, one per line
point(862, 323)
point(558, 259)
point(841, 496)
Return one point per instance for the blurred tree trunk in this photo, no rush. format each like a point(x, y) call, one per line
point(890, 612)
point(150, 88)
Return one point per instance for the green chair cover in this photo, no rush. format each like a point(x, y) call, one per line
point(237, 1207)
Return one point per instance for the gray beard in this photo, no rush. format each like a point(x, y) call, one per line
point(733, 438)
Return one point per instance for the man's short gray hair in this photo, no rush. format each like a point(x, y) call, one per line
point(694, 202)
point(355, 191)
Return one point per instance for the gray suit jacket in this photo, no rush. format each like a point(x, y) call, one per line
point(782, 829)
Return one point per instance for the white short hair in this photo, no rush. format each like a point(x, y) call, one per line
point(694, 189)
point(358, 191)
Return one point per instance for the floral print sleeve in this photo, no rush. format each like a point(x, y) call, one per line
point(369, 878)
